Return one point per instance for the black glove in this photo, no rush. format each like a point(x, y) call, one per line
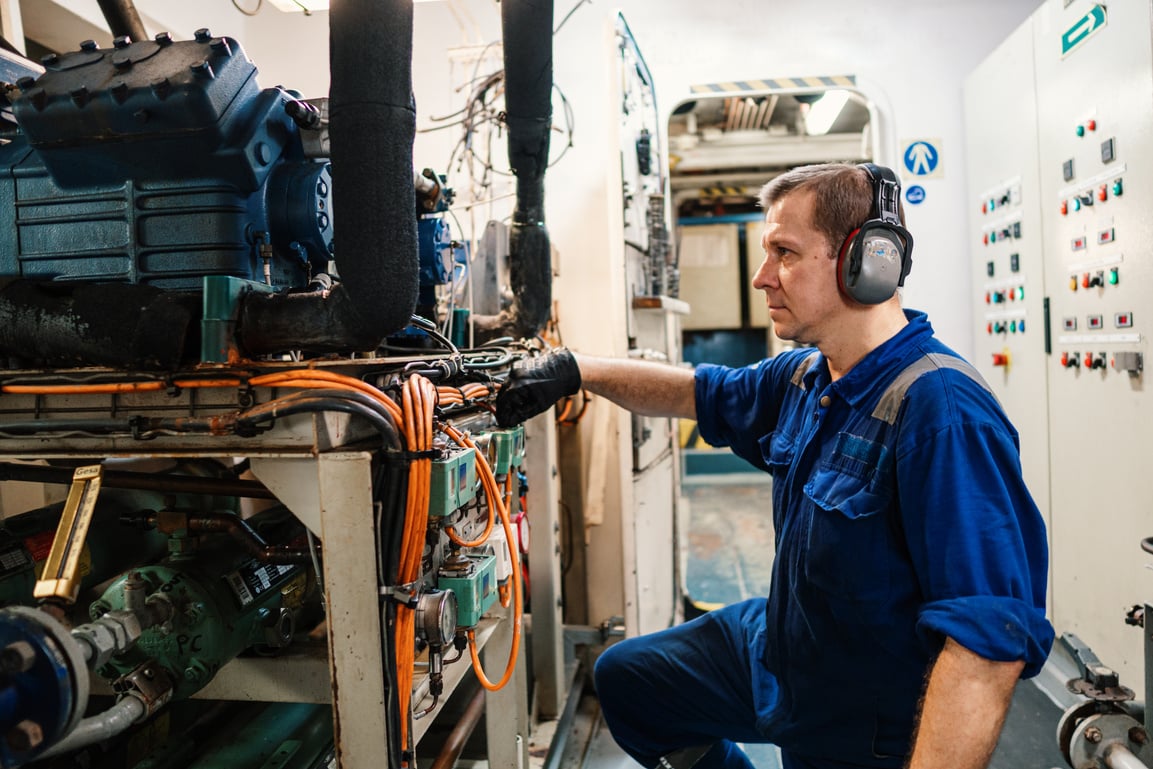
point(535, 384)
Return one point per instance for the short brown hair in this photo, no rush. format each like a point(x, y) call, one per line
point(843, 197)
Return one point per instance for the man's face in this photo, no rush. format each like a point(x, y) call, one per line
point(798, 276)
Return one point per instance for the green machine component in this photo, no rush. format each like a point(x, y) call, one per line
point(453, 482)
point(473, 579)
point(222, 295)
point(506, 449)
point(223, 603)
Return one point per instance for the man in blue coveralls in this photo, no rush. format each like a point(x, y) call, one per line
point(908, 590)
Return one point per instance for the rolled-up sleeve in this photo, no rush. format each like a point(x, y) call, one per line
point(976, 538)
point(737, 406)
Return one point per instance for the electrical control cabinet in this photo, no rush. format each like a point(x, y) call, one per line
point(1005, 240)
point(1070, 94)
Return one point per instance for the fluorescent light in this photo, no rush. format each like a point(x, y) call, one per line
point(308, 6)
point(825, 111)
point(300, 6)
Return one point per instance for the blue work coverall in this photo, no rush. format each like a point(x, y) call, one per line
point(901, 517)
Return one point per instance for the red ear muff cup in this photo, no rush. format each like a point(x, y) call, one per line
point(845, 262)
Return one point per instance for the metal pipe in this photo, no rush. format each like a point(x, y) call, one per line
point(123, 479)
point(1117, 756)
point(239, 530)
point(100, 727)
point(460, 733)
point(123, 20)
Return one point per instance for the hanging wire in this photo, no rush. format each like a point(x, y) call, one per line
point(253, 12)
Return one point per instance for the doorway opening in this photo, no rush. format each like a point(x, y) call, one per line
point(725, 142)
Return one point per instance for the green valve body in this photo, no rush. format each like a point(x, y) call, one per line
point(453, 483)
point(473, 579)
point(506, 449)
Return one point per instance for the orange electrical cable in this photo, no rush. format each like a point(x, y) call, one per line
point(114, 387)
point(488, 480)
point(316, 378)
point(418, 401)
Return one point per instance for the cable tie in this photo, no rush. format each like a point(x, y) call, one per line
point(410, 456)
point(405, 595)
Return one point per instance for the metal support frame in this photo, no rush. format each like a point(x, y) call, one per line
point(544, 547)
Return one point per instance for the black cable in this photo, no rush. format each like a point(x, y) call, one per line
point(568, 15)
point(430, 328)
point(326, 400)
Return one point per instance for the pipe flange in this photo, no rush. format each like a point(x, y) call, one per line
point(49, 675)
point(1095, 736)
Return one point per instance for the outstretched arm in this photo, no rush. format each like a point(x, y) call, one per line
point(643, 387)
point(963, 710)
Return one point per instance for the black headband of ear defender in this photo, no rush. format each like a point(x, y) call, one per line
point(886, 209)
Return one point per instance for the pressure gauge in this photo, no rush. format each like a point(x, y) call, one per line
point(436, 617)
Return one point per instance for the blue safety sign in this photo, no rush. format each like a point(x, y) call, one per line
point(915, 194)
point(921, 158)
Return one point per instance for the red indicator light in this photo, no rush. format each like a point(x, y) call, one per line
point(1091, 125)
point(1103, 193)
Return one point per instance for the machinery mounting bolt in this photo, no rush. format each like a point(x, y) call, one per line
point(202, 68)
point(119, 91)
point(163, 38)
point(1093, 734)
point(123, 41)
point(17, 657)
point(25, 83)
point(203, 35)
point(49, 59)
point(161, 87)
point(220, 45)
point(121, 62)
point(89, 45)
point(1138, 736)
point(25, 736)
point(79, 96)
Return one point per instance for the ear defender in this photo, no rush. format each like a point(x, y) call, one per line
point(876, 256)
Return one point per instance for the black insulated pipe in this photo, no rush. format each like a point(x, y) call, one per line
point(123, 20)
point(110, 324)
point(372, 124)
point(526, 26)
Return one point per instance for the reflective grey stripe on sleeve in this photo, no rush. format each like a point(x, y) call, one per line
point(803, 367)
point(890, 403)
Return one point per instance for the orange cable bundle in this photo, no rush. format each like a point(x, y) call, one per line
point(419, 399)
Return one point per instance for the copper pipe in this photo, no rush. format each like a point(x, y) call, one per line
point(460, 733)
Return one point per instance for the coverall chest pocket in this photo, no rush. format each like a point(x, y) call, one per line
point(850, 549)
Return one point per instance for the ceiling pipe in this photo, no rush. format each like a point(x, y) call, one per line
point(123, 19)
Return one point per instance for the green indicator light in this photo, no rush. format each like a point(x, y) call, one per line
point(1021, 292)
point(1118, 188)
point(1080, 130)
point(1113, 277)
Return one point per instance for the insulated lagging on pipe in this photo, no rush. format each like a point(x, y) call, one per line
point(526, 26)
point(372, 124)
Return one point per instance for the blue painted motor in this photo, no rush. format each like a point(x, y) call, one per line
point(161, 162)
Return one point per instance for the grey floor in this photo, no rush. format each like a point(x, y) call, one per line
point(730, 541)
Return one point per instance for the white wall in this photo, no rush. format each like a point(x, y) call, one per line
point(910, 57)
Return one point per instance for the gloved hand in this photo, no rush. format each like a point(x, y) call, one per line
point(535, 384)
